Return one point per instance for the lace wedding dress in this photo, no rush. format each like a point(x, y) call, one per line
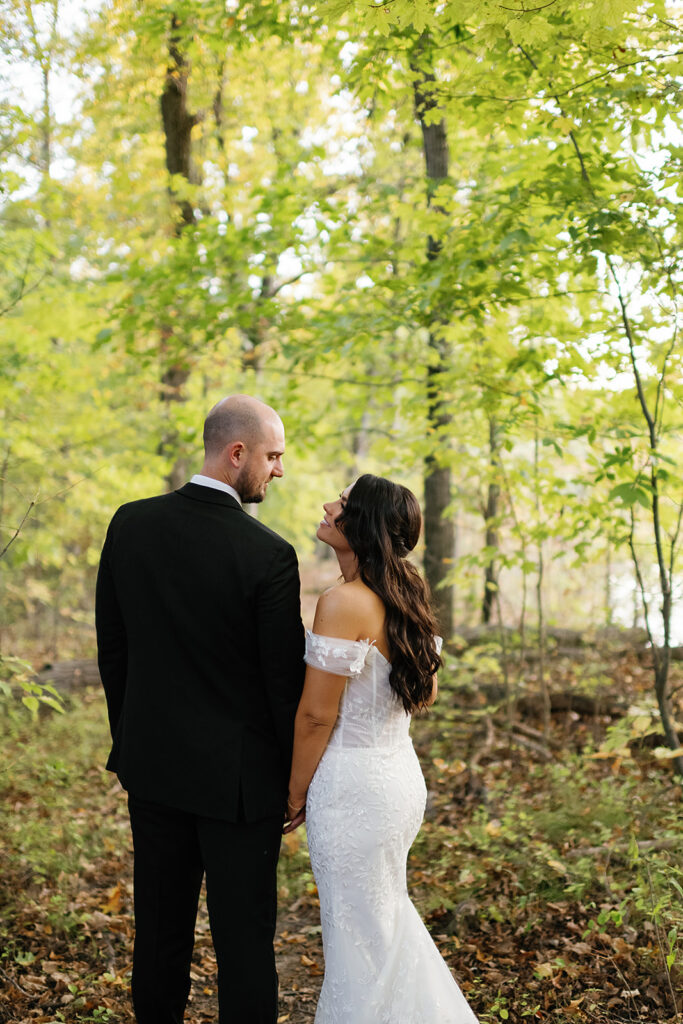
point(363, 811)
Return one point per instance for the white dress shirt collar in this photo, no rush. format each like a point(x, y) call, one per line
point(218, 485)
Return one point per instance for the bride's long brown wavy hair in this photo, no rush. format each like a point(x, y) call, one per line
point(381, 521)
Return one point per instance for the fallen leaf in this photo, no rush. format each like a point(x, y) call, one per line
point(113, 903)
point(545, 970)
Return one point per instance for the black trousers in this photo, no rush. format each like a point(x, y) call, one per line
point(172, 852)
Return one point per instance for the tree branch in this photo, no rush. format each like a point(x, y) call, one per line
point(573, 88)
point(18, 530)
point(527, 10)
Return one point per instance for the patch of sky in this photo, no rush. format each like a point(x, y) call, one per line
point(348, 53)
point(81, 269)
point(212, 176)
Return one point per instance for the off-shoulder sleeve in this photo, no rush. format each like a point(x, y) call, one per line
point(335, 655)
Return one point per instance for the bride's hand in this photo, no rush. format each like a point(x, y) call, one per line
point(296, 815)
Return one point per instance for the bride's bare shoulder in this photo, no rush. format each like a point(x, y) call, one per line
point(336, 600)
point(344, 610)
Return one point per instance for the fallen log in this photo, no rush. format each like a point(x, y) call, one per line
point(581, 703)
point(558, 639)
point(70, 676)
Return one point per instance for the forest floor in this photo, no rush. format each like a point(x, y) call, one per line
point(549, 869)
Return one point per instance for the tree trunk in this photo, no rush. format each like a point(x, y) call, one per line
point(46, 141)
point(439, 532)
point(663, 693)
point(609, 610)
point(178, 124)
point(542, 678)
point(490, 517)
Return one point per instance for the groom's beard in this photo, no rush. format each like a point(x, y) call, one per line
point(252, 490)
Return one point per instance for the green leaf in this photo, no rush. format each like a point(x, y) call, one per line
point(630, 493)
point(52, 703)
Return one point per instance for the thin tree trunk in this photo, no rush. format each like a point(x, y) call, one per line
point(47, 123)
point(609, 610)
point(661, 655)
point(490, 518)
point(43, 53)
point(439, 533)
point(542, 679)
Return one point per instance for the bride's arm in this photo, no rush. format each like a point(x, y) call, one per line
point(319, 705)
point(313, 725)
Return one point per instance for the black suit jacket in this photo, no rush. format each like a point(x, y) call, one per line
point(200, 649)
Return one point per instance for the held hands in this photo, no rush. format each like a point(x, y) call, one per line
point(295, 816)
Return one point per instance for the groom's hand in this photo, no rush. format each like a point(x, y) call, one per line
point(293, 818)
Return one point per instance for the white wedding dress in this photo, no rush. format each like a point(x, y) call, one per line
point(364, 808)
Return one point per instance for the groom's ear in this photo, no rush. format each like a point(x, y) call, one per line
point(235, 453)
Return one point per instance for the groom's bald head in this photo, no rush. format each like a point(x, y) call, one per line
point(236, 418)
point(244, 441)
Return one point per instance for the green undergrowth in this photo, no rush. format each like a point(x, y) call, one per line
point(62, 814)
point(553, 887)
point(566, 831)
point(570, 865)
point(59, 806)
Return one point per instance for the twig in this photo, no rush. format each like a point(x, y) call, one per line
point(527, 10)
point(572, 88)
point(8, 978)
point(534, 734)
point(643, 845)
point(536, 748)
point(17, 531)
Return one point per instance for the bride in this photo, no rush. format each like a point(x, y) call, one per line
point(372, 658)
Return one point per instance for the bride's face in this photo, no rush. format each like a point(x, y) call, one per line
point(328, 530)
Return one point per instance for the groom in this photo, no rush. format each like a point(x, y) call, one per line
point(200, 648)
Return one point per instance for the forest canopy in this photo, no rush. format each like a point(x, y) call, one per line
point(442, 239)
